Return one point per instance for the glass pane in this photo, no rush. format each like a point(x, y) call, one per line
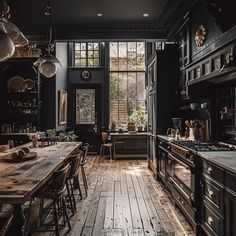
point(90, 54)
point(83, 46)
point(122, 56)
point(114, 86)
point(77, 46)
point(141, 92)
point(90, 62)
point(83, 62)
point(90, 46)
point(83, 54)
point(96, 46)
point(96, 62)
point(113, 57)
point(141, 56)
point(96, 54)
point(132, 56)
point(85, 106)
point(132, 86)
point(77, 54)
point(131, 107)
point(77, 62)
point(122, 86)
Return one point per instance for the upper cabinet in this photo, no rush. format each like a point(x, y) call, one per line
point(206, 45)
point(20, 90)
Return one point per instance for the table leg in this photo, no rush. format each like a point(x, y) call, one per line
point(18, 221)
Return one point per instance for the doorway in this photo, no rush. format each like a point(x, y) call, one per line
point(85, 114)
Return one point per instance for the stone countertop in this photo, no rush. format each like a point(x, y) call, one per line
point(165, 137)
point(224, 159)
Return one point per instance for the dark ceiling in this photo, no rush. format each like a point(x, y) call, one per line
point(78, 19)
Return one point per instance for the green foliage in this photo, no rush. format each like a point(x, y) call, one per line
point(139, 115)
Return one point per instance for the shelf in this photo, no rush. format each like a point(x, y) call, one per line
point(32, 107)
point(5, 134)
point(20, 93)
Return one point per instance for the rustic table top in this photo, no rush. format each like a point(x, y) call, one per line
point(18, 181)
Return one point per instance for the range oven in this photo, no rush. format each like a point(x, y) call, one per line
point(183, 179)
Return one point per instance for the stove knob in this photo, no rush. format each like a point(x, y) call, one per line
point(191, 157)
point(161, 142)
point(209, 170)
point(168, 147)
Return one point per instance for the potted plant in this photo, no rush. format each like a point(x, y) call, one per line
point(139, 116)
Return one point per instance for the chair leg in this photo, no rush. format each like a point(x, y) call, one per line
point(76, 184)
point(70, 192)
point(55, 218)
point(84, 177)
point(65, 212)
point(73, 196)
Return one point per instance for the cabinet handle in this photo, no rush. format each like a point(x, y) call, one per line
point(210, 221)
point(210, 170)
point(210, 193)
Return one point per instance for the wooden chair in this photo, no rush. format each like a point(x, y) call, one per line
point(72, 178)
point(6, 216)
point(105, 145)
point(84, 149)
point(53, 190)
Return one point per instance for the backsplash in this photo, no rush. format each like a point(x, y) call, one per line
point(228, 114)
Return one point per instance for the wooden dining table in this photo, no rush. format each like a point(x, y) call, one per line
point(20, 180)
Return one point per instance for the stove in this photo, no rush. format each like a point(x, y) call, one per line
point(205, 147)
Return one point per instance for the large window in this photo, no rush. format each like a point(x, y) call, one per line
point(87, 54)
point(127, 82)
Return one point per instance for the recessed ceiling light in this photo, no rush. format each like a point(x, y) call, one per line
point(145, 14)
point(99, 14)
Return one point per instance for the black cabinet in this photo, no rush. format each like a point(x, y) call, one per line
point(161, 91)
point(20, 91)
point(230, 206)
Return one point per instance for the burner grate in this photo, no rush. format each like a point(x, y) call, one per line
point(205, 147)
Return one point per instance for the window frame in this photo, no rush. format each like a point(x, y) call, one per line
point(127, 72)
point(87, 50)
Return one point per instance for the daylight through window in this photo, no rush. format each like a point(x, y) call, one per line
point(127, 83)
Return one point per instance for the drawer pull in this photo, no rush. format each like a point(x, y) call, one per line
point(183, 203)
point(169, 162)
point(179, 198)
point(210, 221)
point(210, 193)
point(210, 170)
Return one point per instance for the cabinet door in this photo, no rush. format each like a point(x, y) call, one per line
point(230, 213)
point(162, 164)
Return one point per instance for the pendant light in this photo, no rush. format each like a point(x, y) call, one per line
point(48, 64)
point(10, 36)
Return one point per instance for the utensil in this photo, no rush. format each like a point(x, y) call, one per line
point(187, 123)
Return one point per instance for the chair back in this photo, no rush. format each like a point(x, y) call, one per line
point(58, 180)
point(74, 161)
point(104, 137)
point(84, 149)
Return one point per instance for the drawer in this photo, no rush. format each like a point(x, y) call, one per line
point(213, 171)
point(212, 221)
point(188, 210)
point(213, 194)
point(230, 180)
point(163, 144)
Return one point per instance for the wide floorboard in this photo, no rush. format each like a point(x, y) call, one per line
point(125, 200)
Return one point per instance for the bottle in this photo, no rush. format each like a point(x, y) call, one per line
point(177, 135)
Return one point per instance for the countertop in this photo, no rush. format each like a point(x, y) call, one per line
point(127, 133)
point(226, 160)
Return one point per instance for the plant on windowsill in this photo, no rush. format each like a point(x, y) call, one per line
point(139, 116)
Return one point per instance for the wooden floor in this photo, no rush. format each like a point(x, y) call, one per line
point(124, 199)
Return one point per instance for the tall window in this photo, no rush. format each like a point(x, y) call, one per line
point(87, 54)
point(127, 82)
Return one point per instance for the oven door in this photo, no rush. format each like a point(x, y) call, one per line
point(183, 178)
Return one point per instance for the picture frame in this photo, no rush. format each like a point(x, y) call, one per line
point(62, 107)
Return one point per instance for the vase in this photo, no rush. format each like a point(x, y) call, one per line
point(35, 143)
